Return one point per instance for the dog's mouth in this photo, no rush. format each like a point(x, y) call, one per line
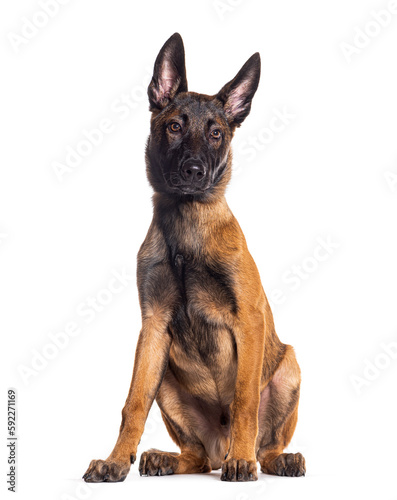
point(190, 189)
point(178, 185)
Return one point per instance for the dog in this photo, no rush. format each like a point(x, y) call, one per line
point(227, 387)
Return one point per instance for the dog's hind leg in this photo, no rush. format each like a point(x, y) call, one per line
point(278, 415)
point(200, 431)
point(192, 459)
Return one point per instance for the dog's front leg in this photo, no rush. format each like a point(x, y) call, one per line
point(240, 464)
point(151, 361)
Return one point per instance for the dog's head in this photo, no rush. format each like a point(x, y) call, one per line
point(188, 151)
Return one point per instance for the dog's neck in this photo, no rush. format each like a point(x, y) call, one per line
point(189, 226)
point(190, 211)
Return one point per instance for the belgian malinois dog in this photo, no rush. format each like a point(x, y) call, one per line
point(227, 388)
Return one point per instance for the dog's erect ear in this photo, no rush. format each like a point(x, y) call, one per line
point(169, 74)
point(236, 96)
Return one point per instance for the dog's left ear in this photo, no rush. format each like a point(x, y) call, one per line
point(236, 96)
point(169, 74)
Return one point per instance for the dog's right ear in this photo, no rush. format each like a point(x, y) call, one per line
point(169, 74)
point(236, 96)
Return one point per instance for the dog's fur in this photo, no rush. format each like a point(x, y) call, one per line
point(228, 389)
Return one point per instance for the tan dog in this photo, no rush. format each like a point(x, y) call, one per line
point(228, 389)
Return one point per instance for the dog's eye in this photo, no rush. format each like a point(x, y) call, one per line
point(216, 134)
point(174, 127)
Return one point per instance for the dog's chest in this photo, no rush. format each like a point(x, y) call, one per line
point(206, 300)
point(203, 353)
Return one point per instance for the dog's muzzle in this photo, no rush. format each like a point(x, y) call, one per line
point(193, 175)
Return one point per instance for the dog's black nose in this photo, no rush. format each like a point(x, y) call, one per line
point(193, 172)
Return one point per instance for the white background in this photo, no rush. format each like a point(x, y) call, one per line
point(327, 174)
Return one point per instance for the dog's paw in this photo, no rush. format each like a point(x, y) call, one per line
point(287, 464)
point(106, 471)
point(239, 470)
point(157, 463)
